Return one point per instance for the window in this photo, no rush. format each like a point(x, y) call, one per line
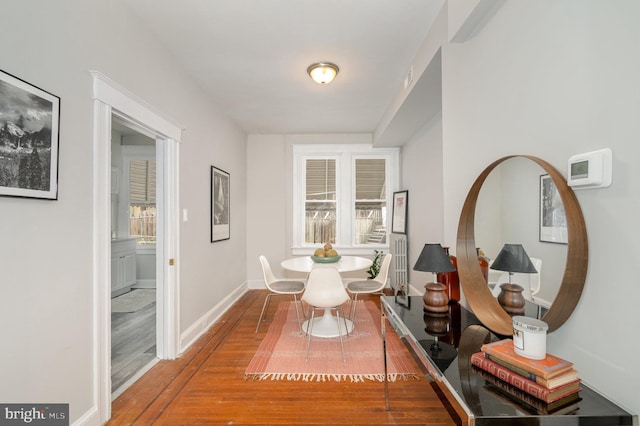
point(142, 200)
point(137, 214)
point(370, 204)
point(320, 201)
point(341, 196)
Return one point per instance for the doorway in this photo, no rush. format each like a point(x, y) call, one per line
point(134, 217)
point(113, 103)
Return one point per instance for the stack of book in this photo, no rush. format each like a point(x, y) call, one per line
point(546, 385)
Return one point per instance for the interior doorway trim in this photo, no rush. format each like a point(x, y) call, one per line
point(110, 98)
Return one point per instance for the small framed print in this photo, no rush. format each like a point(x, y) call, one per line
point(29, 133)
point(553, 221)
point(399, 217)
point(220, 207)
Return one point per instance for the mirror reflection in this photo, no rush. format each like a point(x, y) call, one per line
point(510, 205)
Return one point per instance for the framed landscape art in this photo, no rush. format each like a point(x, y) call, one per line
point(220, 213)
point(29, 133)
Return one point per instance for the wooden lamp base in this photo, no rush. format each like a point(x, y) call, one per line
point(435, 299)
point(511, 299)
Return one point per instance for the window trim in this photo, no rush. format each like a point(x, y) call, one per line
point(345, 155)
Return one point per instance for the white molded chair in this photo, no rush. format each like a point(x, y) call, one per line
point(278, 286)
point(372, 286)
point(325, 291)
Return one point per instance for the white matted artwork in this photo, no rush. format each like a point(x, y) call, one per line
point(553, 220)
point(399, 218)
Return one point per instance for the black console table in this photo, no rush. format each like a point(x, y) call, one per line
point(442, 346)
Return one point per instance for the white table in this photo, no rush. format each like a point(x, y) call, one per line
point(327, 324)
point(345, 264)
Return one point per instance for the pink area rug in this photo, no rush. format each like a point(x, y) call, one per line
point(281, 355)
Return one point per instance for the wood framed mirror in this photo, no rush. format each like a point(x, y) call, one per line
point(476, 289)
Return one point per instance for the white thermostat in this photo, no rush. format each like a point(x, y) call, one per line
point(590, 170)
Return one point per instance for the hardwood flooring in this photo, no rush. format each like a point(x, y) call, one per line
point(206, 386)
point(133, 343)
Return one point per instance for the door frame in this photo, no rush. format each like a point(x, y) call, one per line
point(108, 99)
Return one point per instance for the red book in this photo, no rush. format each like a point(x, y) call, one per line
point(564, 405)
point(548, 367)
point(529, 386)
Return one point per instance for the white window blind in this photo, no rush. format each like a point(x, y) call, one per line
point(320, 201)
point(142, 181)
point(370, 179)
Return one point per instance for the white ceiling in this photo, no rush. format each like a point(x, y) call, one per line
point(251, 56)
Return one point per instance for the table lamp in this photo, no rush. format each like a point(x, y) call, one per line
point(513, 258)
point(434, 259)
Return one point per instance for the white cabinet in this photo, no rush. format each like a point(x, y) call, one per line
point(123, 263)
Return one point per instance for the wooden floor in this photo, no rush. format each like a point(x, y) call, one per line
point(206, 386)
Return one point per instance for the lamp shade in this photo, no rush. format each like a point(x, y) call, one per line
point(434, 259)
point(513, 258)
point(322, 72)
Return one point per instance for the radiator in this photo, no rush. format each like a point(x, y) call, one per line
point(400, 262)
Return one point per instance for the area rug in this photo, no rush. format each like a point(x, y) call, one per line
point(133, 301)
point(281, 355)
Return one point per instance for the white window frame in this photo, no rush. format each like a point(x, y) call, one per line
point(345, 155)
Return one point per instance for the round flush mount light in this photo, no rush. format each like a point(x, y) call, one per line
point(322, 72)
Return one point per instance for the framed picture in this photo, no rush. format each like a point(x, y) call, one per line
point(399, 217)
point(553, 221)
point(220, 213)
point(29, 133)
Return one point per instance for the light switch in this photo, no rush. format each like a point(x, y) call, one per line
point(185, 215)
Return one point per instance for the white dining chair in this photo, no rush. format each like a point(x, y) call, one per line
point(358, 286)
point(279, 286)
point(325, 291)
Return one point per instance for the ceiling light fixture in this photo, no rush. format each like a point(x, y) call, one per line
point(323, 72)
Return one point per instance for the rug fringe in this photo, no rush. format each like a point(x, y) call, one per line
point(313, 377)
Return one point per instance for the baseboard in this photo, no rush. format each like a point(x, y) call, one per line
point(90, 418)
point(145, 283)
point(256, 285)
point(201, 325)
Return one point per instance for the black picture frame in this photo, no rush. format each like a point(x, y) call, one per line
point(399, 215)
point(220, 205)
point(29, 139)
point(553, 220)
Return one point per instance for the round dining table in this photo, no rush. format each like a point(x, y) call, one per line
point(345, 264)
point(327, 324)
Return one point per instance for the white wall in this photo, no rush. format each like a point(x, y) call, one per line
point(422, 176)
point(270, 196)
point(267, 210)
point(46, 254)
point(554, 78)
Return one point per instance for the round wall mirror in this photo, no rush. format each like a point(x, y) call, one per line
point(518, 192)
point(477, 292)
